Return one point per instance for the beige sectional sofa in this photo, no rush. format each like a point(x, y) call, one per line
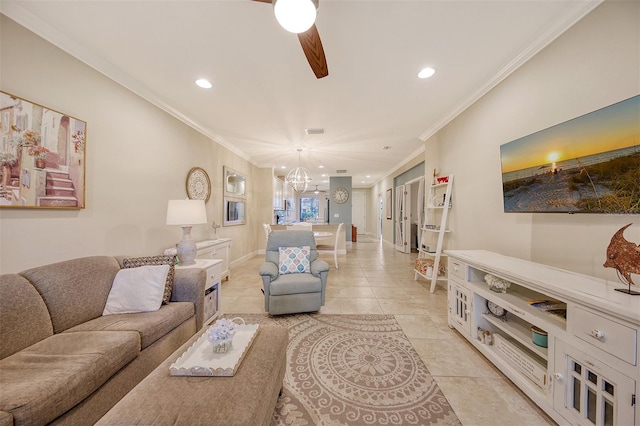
point(61, 361)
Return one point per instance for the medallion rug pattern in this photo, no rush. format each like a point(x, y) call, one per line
point(354, 370)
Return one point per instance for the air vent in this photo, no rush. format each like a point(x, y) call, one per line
point(312, 131)
point(341, 171)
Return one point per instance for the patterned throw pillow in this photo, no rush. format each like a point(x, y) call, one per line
point(294, 260)
point(170, 260)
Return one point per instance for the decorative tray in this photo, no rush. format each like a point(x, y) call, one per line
point(200, 360)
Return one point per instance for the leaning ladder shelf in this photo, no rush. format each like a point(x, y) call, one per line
point(429, 227)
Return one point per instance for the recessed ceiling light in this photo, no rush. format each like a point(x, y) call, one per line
point(321, 166)
point(204, 83)
point(283, 167)
point(426, 72)
point(314, 131)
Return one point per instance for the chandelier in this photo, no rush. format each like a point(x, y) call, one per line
point(299, 177)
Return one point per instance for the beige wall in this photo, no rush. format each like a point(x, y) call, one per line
point(137, 158)
point(594, 64)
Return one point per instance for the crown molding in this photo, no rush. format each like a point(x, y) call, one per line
point(581, 9)
point(22, 16)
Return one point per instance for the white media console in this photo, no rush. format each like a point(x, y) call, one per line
point(589, 373)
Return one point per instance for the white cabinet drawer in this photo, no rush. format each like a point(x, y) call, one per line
point(457, 269)
point(213, 274)
point(617, 339)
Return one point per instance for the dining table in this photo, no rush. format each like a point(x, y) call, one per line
point(322, 235)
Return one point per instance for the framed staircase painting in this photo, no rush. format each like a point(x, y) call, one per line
point(42, 156)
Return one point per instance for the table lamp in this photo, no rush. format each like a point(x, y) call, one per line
point(186, 213)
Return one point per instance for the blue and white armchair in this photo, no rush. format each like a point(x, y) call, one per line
point(293, 278)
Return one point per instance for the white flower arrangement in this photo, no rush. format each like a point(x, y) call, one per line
point(496, 284)
point(220, 334)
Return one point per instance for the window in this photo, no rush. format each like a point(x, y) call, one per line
point(312, 208)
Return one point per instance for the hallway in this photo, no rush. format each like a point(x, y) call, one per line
point(374, 278)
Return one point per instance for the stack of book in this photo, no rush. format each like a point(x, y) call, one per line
point(551, 306)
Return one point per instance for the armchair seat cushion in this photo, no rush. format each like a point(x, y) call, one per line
point(295, 283)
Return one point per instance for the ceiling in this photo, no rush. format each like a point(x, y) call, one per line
point(375, 111)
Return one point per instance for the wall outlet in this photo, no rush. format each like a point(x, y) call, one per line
point(336, 215)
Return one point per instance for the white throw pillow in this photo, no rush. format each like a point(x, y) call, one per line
point(137, 290)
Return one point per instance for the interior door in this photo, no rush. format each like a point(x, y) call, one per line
point(403, 221)
point(419, 212)
point(398, 222)
point(359, 208)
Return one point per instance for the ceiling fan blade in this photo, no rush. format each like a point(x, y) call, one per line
point(312, 47)
point(263, 1)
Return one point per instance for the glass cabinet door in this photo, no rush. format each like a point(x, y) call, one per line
point(591, 393)
point(460, 308)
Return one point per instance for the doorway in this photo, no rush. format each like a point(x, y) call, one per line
point(359, 210)
point(409, 206)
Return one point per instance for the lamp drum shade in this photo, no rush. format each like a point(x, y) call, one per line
point(186, 212)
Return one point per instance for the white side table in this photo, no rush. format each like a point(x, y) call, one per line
point(217, 249)
point(213, 249)
point(212, 289)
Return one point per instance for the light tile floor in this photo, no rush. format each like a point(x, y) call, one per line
point(374, 278)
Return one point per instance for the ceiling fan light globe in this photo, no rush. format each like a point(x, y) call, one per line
point(295, 16)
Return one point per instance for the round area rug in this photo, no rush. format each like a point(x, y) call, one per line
point(354, 370)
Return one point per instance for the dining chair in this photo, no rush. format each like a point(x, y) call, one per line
point(300, 226)
point(267, 230)
point(333, 248)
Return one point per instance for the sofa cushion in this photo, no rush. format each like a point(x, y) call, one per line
point(137, 290)
point(43, 381)
point(134, 262)
point(25, 318)
point(61, 285)
point(295, 283)
point(151, 325)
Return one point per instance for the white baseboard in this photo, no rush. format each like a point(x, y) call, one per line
point(245, 257)
point(341, 251)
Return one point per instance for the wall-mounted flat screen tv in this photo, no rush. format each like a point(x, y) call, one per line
point(590, 164)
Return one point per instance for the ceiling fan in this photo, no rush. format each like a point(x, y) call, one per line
point(308, 35)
